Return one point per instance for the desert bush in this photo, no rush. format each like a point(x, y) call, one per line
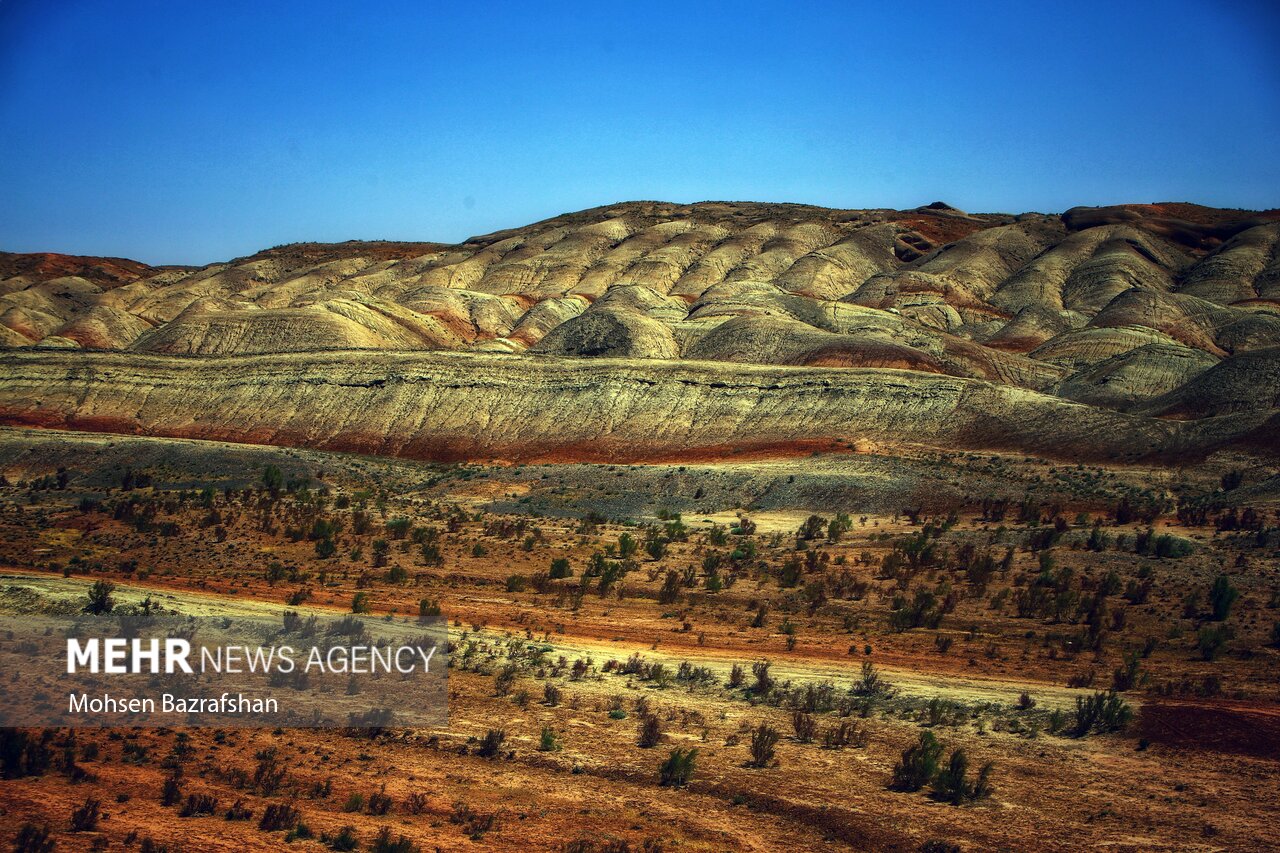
point(547, 740)
point(763, 740)
point(505, 680)
point(474, 824)
point(491, 743)
point(951, 785)
point(650, 731)
point(171, 790)
point(428, 611)
point(1102, 712)
point(239, 811)
point(85, 817)
point(842, 734)
point(345, 839)
point(678, 769)
point(33, 838)
point(270, 773)
point(1129, 675)
point(1169, 546)
point(1211, 639)
point(23, 754)
point(764, 682)
point(198, 805)
point(551, 694)
point(100, 598)
point(279, 816)
point(380, 802)
point(870, 683)
point(805, 726)
point(918, 765)
point(670, 592)
point(415, 803)
point(736, 676)
point(1222, 595)
point(382, 843)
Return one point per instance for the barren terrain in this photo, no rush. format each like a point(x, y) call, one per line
point(927, 530)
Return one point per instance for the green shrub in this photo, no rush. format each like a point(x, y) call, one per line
point(1100, 713)
point(1221, 596)
point(678, 769)
point(951, 785)
point(918, 765)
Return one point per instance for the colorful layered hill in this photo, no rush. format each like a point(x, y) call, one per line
point(646, 329)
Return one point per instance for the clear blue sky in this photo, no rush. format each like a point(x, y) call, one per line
point(188, 132)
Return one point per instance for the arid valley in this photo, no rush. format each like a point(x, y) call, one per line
point(754, 526)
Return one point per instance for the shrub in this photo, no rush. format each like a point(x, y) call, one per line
point(239, 811)
point(736, 675)
point(764, 683)
point(100, 598)
point(269, 775)
point(85, 817)
point(171, 790)
point(300, 830)
point(951, 785)
point(504, 680)
point(380, 803)
point(1211, 639)
point(844, 734)
point(870, 683)
point(33, 839)
point(547, 741)
point(491, 743)
point(22, 754)
point(1221, 596)
point(1102, 712)
point(198, 805)
point(805, 726)
point(345, 840)
point(382, 843)
point(474, 824)
point(415, 803)
point(678, 769)
point(360, 603)
point(1170, 546)
point(551, 694)
point(428, 611)
point(279, 816)
point(763, 740)
point(650, 731)
point(516, 583)
point(560, 568)
point(918, 765)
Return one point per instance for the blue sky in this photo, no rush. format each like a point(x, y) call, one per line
point(188, 132)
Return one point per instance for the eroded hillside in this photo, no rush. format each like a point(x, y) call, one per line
point(1161, 312)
